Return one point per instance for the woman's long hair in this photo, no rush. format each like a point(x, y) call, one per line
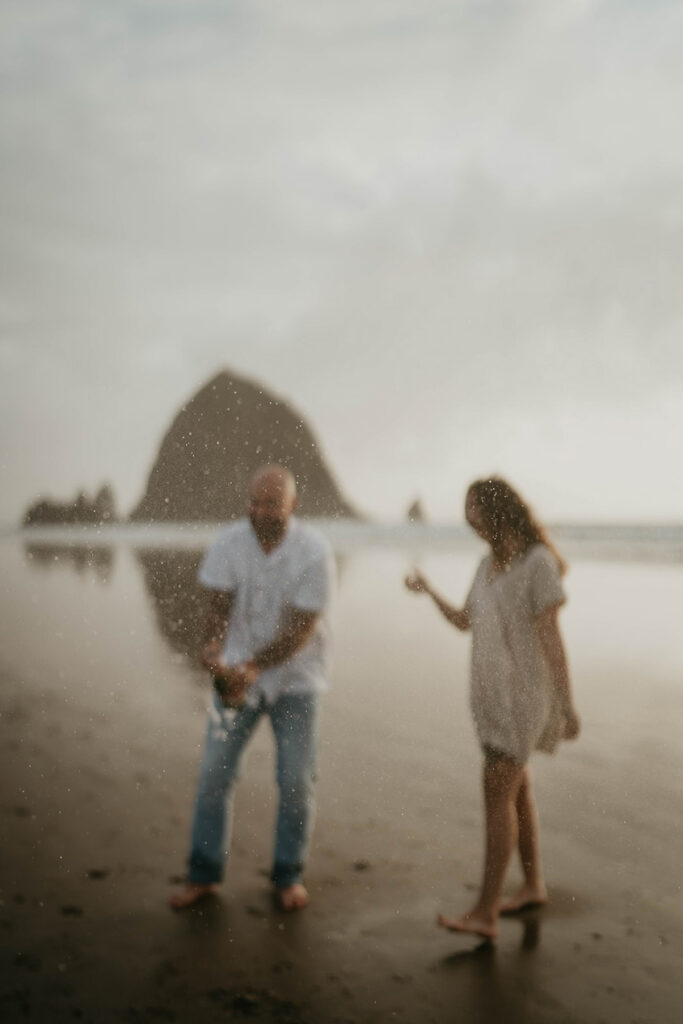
point(504, 514)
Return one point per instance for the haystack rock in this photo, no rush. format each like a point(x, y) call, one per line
point(218, 440)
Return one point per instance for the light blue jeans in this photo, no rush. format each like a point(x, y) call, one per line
point(294, 722)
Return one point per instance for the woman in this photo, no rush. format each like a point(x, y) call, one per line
point(521, 695)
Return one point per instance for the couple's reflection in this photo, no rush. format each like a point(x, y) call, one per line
point(493, 980)
point(530, 920)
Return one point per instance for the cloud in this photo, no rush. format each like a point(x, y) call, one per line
point(428, 225)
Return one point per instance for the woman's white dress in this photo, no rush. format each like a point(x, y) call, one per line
point(515, 707)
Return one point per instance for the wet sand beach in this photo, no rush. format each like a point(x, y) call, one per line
point(102, 721)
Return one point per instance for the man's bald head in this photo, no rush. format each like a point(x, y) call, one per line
point(272, 501)
point(274, 478)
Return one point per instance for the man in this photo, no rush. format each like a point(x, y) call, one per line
point(270, 579)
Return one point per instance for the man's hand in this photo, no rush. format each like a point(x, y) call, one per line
point(233, 681)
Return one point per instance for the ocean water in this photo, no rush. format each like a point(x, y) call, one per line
point(662, 542)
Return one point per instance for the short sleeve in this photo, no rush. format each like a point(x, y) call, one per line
point(312, 590)
point(546, 590)
point(471, 598)
point(218, 570)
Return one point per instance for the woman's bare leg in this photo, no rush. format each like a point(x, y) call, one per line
point(502, 780)
point(533, 891)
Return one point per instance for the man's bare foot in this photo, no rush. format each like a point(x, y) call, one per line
point(473, 923)
point(526, 897)
point(190, 894)
point(291, 897)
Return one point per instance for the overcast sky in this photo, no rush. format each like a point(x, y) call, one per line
point(450, 233)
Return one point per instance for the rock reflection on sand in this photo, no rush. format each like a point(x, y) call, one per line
point(178, 600)
point(81, 557)
point(170, 578)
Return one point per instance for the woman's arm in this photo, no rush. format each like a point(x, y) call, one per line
point(553, 648)
point(457, 617)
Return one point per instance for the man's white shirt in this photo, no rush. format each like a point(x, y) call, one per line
point(298, 574)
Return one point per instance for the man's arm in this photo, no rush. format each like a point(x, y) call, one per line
point(217, 621)
point(553, 648)
point(219, 606)
point(231, 681)
point(294, 634)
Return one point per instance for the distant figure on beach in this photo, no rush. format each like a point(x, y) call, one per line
point(269, 578)
point(521, 696)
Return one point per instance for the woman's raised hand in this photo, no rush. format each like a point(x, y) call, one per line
point(416, 582)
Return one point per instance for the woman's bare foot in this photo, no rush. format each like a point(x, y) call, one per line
point(291, 897)
point(190, 894)
point(527, 896)
point(474, 923)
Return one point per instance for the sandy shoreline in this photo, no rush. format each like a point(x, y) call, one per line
point(101, 759)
